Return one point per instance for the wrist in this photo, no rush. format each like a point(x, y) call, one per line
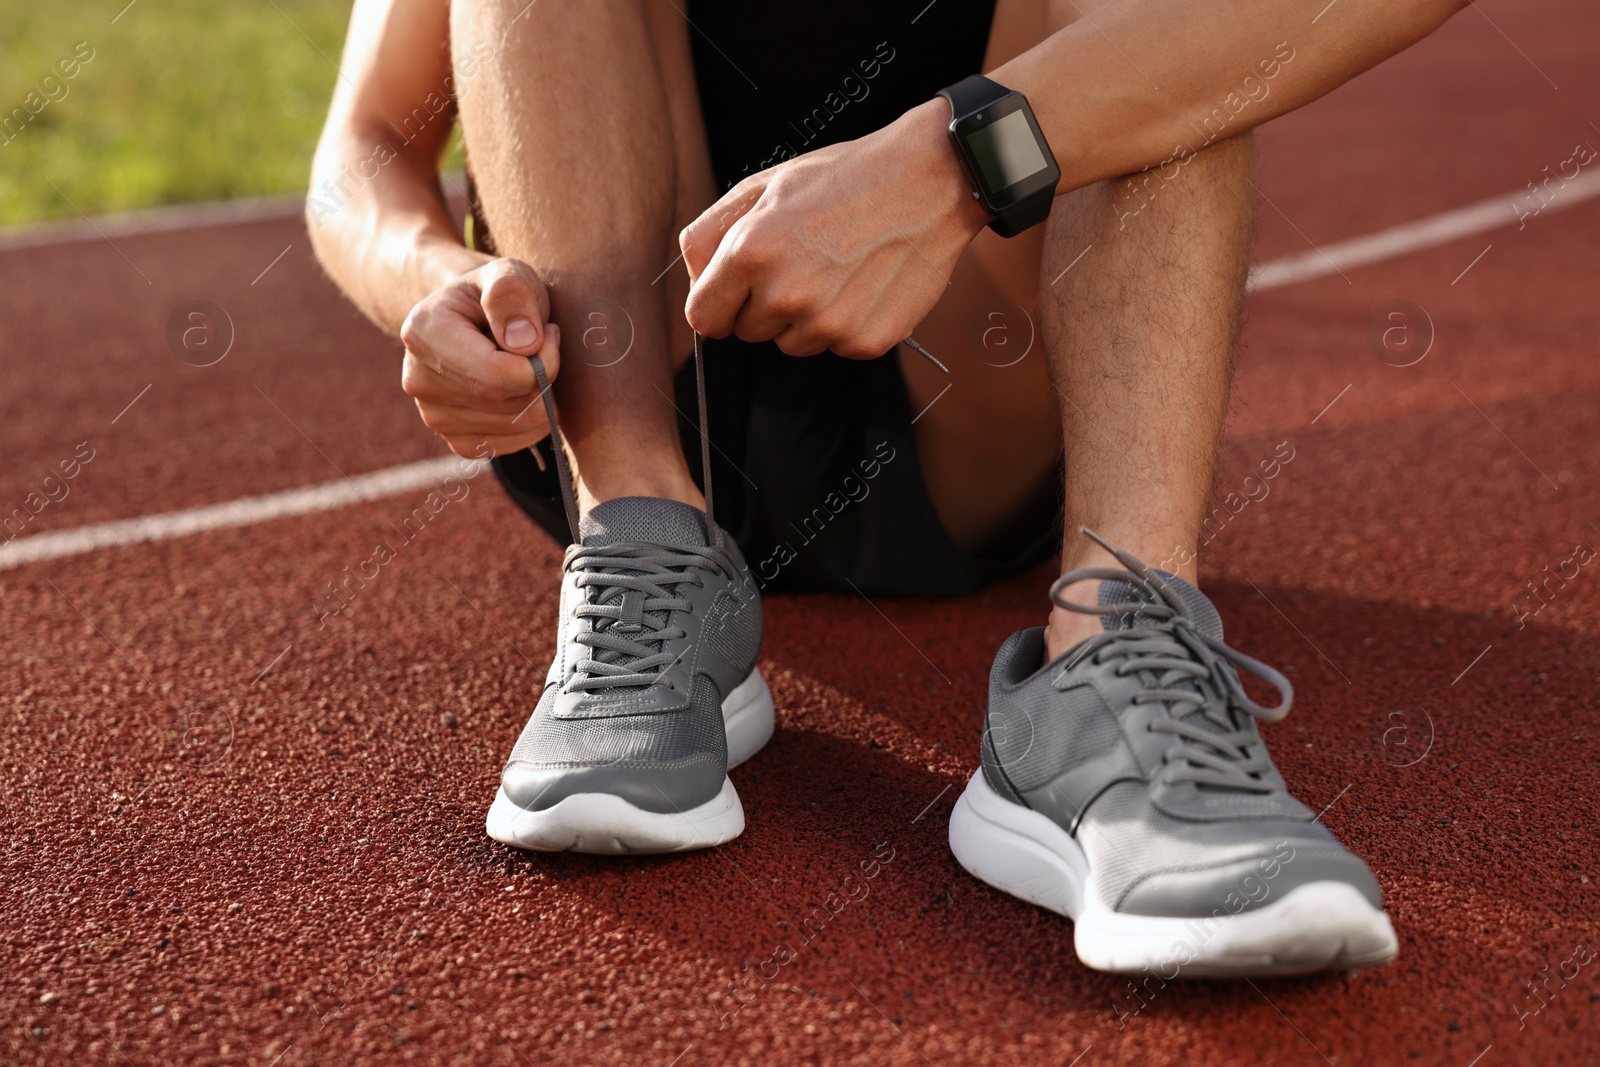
point(927, 131)
point(420, 262)
point(441, 259)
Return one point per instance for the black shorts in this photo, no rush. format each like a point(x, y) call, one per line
point(814, 460)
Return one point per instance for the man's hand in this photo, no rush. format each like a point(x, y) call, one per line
point(846, 248)
point(471, 387)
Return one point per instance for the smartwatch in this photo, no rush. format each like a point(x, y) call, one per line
point(1007, 160)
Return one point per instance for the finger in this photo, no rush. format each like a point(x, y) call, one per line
point(449, 420)
point(702, 237)
point(794, 341)
point(426, 387)
point(761, 319)
point(516, 304)
point(487, 446)
point(719, 295)
point(445, 337)
point(422, 382)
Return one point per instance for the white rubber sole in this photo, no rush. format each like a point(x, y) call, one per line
point(1315, 926)
point(603, 823)
point(747, 714)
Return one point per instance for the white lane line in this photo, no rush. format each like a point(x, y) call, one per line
point(1424, 233)
point(246, 512)
point(1386, 244)
point(182, 218)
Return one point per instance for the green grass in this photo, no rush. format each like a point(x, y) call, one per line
point(183, 100)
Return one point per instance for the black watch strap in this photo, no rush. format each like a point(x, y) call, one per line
point(1025, 214)
point(973, 94)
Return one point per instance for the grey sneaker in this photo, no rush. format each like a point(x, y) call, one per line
point(652, 696)
point(654, 691)
point(1125, 785)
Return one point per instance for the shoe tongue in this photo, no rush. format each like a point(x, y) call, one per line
point(642, 518)
point(1201, 611)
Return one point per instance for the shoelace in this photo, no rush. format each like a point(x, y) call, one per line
point(635, 583)
point(636, 591)
point(1185, 669)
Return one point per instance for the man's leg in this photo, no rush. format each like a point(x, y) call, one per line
point(1137, 336)
point(1140, 344)
point(1130, 788)
point(588, 153)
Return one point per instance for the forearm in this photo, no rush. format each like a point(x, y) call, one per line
point(1151, 82)
point(379, 227)
point(1139, 83)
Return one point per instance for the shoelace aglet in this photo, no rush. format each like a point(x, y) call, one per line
point(911, 343)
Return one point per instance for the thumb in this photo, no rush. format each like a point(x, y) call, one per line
point(516, 304)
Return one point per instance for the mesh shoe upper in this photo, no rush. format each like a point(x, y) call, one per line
point(1142, 743)
point(659, 622)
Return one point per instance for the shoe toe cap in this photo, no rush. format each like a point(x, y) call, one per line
point(1247, 884)
point(661, 788)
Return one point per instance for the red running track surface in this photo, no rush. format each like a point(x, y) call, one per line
point(206, 863)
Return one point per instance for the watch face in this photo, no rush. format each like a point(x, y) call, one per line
point(1005, 151)
point(1007, 154)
